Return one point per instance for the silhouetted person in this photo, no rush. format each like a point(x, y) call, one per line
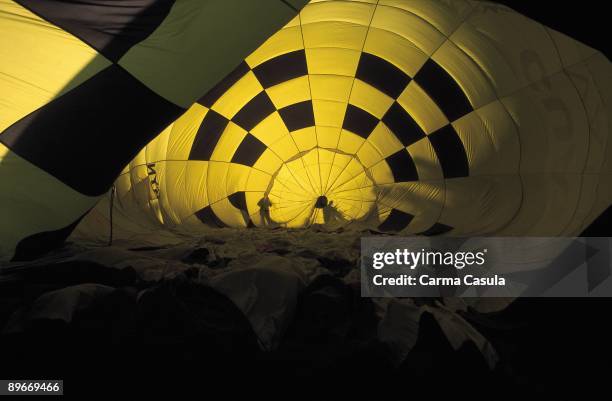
point(331, 215)
point(264, 210)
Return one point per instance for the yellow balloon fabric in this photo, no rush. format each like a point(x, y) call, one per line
point(85, 85)
point(426, 117)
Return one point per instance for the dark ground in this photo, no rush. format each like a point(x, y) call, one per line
point(549, 349)
point(183, 337)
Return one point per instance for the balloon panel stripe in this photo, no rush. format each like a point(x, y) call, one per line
point(249, 151)
point(88, 136)
point(282, 68)
point(450, 152)
point(255, 111)
point(298, 116)
point(238, 200)
point(209, 217)
point(359, 121)
point(396, 221)
point(382, 75)
point(403, 125)
point(402, 166)
point(437, 229)
point(111, 29)
point(444, 90)
point(208, 136)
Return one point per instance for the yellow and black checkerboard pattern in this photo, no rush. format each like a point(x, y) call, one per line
point(85, 85)
point(418, 116)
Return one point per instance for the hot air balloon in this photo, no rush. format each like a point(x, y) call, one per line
point(413, 116)
point(85, 85)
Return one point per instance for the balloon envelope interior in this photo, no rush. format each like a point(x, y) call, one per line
point(413, 116)
point(405, 116)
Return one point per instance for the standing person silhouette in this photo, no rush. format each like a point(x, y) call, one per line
point(264, 210)
point(331, 215)
point(328, 212)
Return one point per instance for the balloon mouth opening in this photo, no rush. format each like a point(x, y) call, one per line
point(321, 202)
point(321, 186)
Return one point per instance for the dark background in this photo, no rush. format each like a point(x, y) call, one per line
point(563, 350)
point(587, 20)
